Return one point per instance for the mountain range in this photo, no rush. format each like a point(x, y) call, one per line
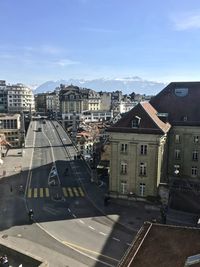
point(127, 85)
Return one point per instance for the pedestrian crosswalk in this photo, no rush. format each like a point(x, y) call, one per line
point(73, 192)
point(45, 192)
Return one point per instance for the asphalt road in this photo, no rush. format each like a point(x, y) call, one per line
point(65, 203)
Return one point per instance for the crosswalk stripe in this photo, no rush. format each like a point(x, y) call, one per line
point(44, 192)
point(35, 192)
point(70, 191)
point(29, 192)
point(65, 192)
point(41, 192)
point(81, 191)
point(76, 192)
point(47, 191)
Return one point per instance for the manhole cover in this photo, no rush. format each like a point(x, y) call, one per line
point(4, 236)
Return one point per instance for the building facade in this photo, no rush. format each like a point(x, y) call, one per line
point(75, 102)
point(52, 102)
point(20, 98)
point(137, 153)
point(10, 126)
point(167, 150)
point(3, 97)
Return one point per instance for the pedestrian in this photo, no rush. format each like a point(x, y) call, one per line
point(1, 261)
point(5, 261)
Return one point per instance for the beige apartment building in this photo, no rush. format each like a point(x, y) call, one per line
point(137, 153)
point(157, 141)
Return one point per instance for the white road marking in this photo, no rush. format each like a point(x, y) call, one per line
point(74, 215)
point(81, 221)
point(128, 244)
point(101, 233)
point(74, 248)
point(91, 227)
point(116, 239)
point(69, 209)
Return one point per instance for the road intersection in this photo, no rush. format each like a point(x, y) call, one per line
point(68, 208)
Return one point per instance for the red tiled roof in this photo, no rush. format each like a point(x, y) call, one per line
point(153, 114)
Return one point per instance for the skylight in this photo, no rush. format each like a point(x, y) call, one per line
point(181, 92)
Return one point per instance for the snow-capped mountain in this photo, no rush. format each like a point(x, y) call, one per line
point(127, 85)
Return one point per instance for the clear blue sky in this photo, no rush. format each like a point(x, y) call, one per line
point(60, 39)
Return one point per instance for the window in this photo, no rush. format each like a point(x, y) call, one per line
point(123, 187)
point(123, 168)
point(136, 122)
point(177, 138)
point(124, 147)
point(196, 139)
point(143, 169)
point(177, 169)
point(194, 171)
point(177, 154)
point(143, 149)
point(142, 189)
point(195, 155)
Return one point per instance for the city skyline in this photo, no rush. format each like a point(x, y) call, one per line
point(89, 39)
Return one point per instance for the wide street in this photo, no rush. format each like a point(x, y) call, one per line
point(68, 207)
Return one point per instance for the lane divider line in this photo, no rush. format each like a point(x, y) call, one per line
point(91, 251)
point(78, 248)
point(116, 239)
point(101, 233)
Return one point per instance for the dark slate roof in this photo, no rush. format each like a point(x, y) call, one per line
point(181, 100)
point(162, 246)
point(149, 121)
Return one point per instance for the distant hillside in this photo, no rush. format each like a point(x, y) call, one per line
point(127, 85)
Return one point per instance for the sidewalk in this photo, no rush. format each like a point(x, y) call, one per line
point(12, 163)
point(51, 258)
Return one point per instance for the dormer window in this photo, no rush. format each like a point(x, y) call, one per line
point(196, 139)
point(184, 118)
point(136, 122)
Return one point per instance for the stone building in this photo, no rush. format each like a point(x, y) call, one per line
point(157, 141)
point(76, 101)
point(52, 102)
point(137, 151)
point(40, 102)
